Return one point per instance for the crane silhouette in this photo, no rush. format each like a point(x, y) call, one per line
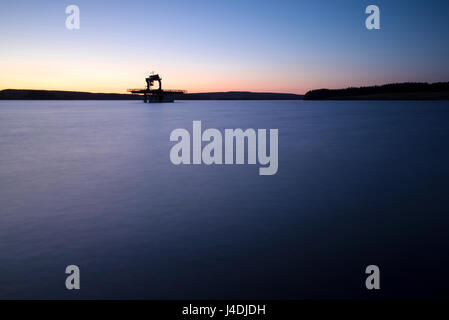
point(156, 95)
point(151, 79)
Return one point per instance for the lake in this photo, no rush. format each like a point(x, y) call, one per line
point(91, 183)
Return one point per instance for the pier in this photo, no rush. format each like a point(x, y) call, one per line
point(151, 95)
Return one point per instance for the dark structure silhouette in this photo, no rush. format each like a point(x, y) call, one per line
point(156, 95)
point(26, 94)
point(153, 78)
point(239, 95)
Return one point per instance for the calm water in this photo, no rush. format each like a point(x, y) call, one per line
point(90, 183)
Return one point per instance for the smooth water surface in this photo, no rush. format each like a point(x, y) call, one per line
point(90, 183)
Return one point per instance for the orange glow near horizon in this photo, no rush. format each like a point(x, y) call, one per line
point(114, 70)
point(112, 76)
point(105, 76)
point(115, 73)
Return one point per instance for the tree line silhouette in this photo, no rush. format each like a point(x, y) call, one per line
point(399, 91)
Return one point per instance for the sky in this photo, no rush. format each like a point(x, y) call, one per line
point(203, 46)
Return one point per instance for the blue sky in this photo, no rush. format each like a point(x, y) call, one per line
point(284, 46)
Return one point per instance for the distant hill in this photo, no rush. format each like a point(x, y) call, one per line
point(239, 95)
point(394, 91)
point(13, 94)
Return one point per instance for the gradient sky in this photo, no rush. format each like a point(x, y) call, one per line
point(279, 46)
